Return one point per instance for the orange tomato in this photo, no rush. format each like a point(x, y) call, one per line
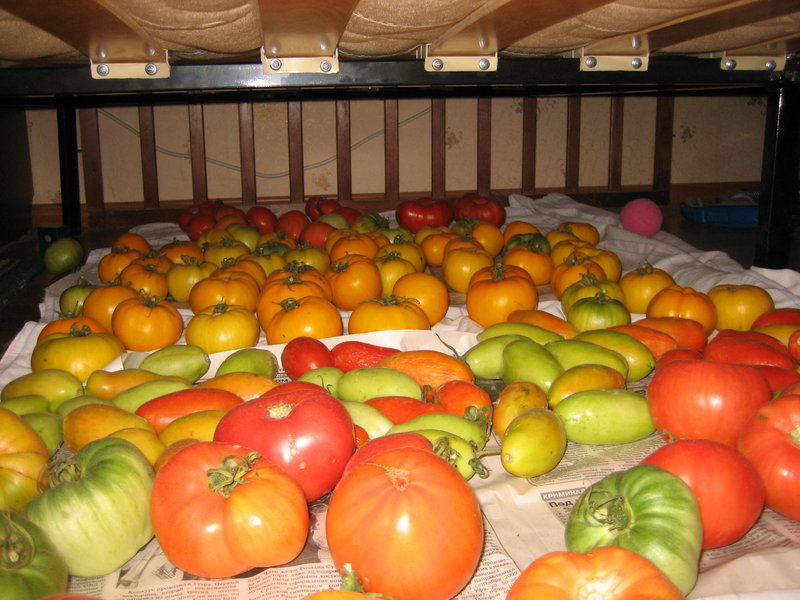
point(385, 313)
point(684, 302)
point(428, 367)
point(461, 264)
point(433, 246)
point(234, 288)
point(497, 291)
point(103, 300)
point(515, 399)
point(581, 230)
point(244, 384)
point(572, 271)
point(132, 241)
point(460, 398)
point(146, 323)
point(311, 316)
point(177, 249)
point(276, 291)
point(66, 324)
point(515, 227)
point(428, 290)
point(612, 266)
point(145, 279)
point(353, 279)
point(642, 283)
point(564, 249)
point(539, 265)
point(544, 319)
point(488, 235)
point(111, 265)
point(353, 243)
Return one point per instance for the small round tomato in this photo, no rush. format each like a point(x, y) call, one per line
point(303, 354)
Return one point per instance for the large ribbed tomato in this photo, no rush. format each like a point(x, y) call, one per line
point(408, 523)
point(685, 302)
point(146, 323)
point(23, 455)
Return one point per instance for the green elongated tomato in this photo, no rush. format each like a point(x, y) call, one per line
point(609, 416)
point(645, 509)
point(97, 510)
point(30, 567)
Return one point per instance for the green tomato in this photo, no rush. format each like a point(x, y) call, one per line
point(533, 443)
point(30, 567)
point(605, 416)
point(97, 510)
point(70, 302)
point(63, 255)
point(645, 509)
point(598, 312)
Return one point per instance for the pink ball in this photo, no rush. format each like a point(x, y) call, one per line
point(642, 216)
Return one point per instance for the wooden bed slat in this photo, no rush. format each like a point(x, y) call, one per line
point(438, 149)
point(197, 144)
point(615, 144)
point(573, 158)
point(296, 176)
point(344, 162)
point(529, 117)
point(484, 149)
point(147, 145)
point(391, 140)
point(91, 158)
point(247, 152)
point(662, 158)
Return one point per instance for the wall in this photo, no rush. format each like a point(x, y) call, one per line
point(716, 139)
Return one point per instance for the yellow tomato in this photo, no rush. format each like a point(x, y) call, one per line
point(738, 306)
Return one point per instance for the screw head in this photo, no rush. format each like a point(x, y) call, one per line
point(591, 62)
point(325, 66)
point(636, 63)
point(102, 69)
point(730, 64)
point(437, 64)
point(151, 68)
point(771, 65)
point(483, 64)
point(275, 64)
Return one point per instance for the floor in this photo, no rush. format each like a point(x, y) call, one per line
point(21, 292)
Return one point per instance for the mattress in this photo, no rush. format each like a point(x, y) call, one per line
point(197, 31)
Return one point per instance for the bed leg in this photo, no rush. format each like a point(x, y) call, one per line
point(68, 163)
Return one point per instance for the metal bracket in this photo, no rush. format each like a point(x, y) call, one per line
point(631, 53)
point(300, 64)
point(731, 62)
point(158, 68)
point(457, 62)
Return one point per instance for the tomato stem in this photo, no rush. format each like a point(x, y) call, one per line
point(224, 479)
point(16, 545)
point(608, 509)
point(63, 471)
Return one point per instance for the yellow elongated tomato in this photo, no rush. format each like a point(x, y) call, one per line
point(461, 264)
point(490, 300)
point(738, 306)
point(79, 352)
point(428, 290)
point(684, 302)
point(620, 573)
point(310, 316)
point(387, 312)
point(642, 283)
point(147, 323)
point(223, 327)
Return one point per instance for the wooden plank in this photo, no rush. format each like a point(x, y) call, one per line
point(344, 160)
point(391, 151)
point(247, 153)
point(529, 117)
point(147, 145)
point(484, 150)
point(615, 143)
point(573, 154)
point(438, 149)
point(91, 158)
point(296, 176)
point(197, 145)
point(662, 157)
point(68, 166)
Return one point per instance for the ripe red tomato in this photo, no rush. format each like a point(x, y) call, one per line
point(769, 440)
point(307, 433)
point(219, 509)
point(352, 354)
point(406, 511)
point(316, 206)
point(704, 399)
point(161, 411)
point(719, 475)
point(199, 224)
point(737, 349)
point(316, 233)
point(262, 218)
point(373, 447)
point(291, 223)
point(303, 354)
point(480, 207)
point(425, 212)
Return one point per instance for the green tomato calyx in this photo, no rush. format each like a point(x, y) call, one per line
point(17, 547)
point(609, 509)
point(225, 478)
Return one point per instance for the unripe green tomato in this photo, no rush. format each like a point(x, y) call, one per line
point(534, 443)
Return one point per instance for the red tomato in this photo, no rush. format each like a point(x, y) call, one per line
point(291, 223)
point(262, 218)
point(316, 206)
point(678, 354)
point(399, 409)
point(719, 475)
point(687, 332)
point(303, 354)
point(199, 224)
point(461, 397)
point(735, 349)
point(316, 233)
point(390, 441)
point(790, 316)
point(219, 510)
point(161, 411)
point(307, 433)
point(349, 213)
point(352, 354)
point(479, 207)
point(613, 572)
point(704, 399)
point(425, 212)
point(406, 511)
point(770, 441)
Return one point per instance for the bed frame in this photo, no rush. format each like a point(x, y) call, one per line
point(110, 57)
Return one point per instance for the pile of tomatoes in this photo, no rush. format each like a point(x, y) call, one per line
point(217, 455)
